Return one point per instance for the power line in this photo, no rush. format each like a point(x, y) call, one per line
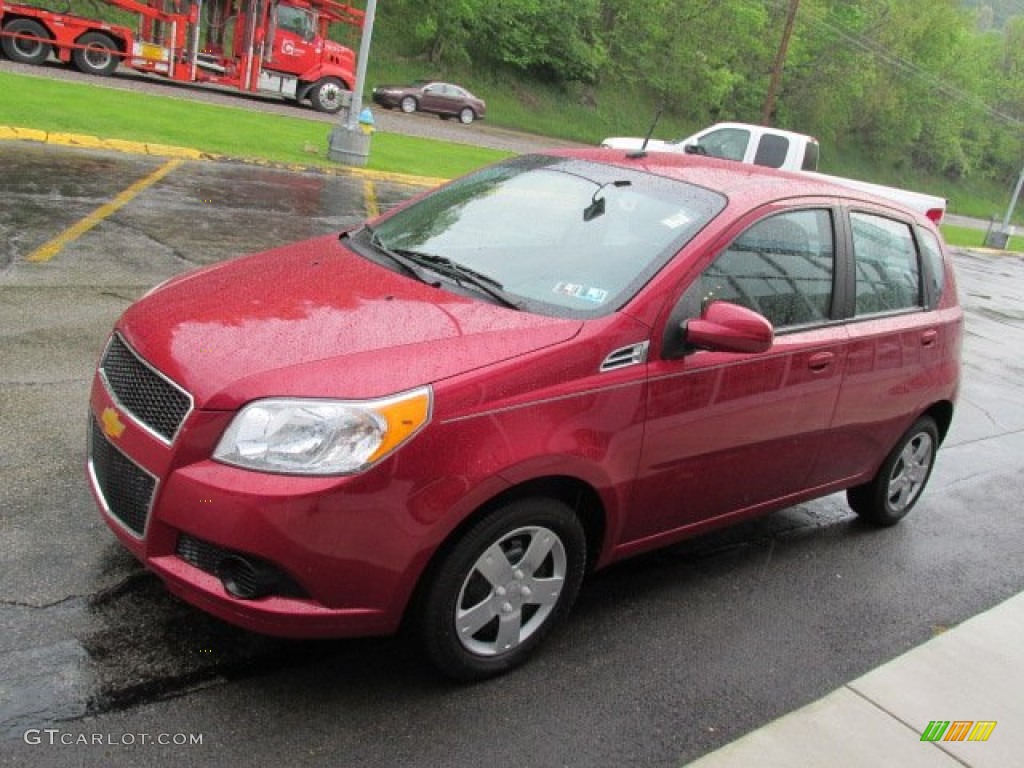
point(877, 50)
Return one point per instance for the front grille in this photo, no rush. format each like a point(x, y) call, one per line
point(126, 488)
point(152, 400)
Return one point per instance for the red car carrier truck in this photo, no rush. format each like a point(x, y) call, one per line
point(255, 46)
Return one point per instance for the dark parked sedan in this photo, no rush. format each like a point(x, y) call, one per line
point(442, 99)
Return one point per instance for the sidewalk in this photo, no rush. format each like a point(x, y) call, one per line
point(973, 672)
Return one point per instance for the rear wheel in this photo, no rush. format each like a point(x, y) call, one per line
point(99, 57)
point(328, 95)
point(897, 486)
point(24, 50)
point(502, 588)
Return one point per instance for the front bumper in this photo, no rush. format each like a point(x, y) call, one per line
point(350, 562)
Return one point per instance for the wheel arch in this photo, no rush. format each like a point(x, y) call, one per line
point(942, 413)
point(577, 494)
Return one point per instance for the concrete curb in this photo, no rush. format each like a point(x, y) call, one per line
point(82, 141)
point(974, 670)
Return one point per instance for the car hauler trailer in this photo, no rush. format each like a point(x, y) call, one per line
point(255, 46)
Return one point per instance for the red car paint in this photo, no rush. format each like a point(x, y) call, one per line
point(661, 450)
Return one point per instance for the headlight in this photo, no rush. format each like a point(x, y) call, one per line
point(322, 437)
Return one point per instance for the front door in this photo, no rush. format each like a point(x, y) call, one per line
point(728, 432)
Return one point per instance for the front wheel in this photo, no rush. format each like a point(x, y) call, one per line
point(467, 116)
point(408, 105)
point(328, 95)
point(98, 57)
point(22, 49)
point(502, 588)
point(892, 492)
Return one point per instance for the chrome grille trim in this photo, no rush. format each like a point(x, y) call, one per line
point(153, 401)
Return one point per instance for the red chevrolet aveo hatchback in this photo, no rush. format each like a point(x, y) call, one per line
point(445, 418)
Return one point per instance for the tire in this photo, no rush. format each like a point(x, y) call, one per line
point(408, 105)
point(486, 608)
point(328, 95)
point(99, 58)
point(21, 50)
point(467, 116)
point(898, 484)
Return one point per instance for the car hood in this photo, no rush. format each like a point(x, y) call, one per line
point(314, 319)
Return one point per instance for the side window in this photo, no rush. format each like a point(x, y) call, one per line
point(730, 143)
point(888, 275)
point(936, 266)
point(772, 151)
point(782, 267)
point(810, 162)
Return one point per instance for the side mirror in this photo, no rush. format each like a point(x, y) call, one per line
point(694, 149)
point(726, 327)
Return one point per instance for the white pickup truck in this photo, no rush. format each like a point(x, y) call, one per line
point(774, 148)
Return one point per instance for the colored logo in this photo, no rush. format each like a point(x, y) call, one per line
point(112, 425)
point(958, 730)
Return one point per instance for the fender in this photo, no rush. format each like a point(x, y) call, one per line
point(309, 78)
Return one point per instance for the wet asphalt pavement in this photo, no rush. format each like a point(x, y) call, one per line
point(665, 658)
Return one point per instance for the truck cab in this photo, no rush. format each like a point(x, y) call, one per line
point(756, 145)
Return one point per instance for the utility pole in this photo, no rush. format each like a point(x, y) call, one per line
point(347, 142)
point(780, 62)
point(1000, 236)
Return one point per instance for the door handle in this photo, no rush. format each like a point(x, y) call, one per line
point(820, 361)
point(928, 338)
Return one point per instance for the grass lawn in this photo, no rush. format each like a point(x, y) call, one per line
point(965, 237)
point(58, 106)
point(28, 102)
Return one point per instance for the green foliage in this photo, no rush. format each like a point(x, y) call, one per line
point(917, 90)
point(932, 88)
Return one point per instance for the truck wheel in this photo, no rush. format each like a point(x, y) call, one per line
point(501, 589)
point(20, 49)
point(328, 95)
point(99, 57)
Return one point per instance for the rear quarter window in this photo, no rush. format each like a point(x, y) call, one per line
point(936, 268)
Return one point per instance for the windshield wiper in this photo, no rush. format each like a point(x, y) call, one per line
point(408, 265)
point(412, 263)
point(462, 275)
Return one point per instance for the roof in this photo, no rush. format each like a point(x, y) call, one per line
point(741, 182)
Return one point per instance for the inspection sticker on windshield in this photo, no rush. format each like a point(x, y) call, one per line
point(677, 220)
point(586, 293)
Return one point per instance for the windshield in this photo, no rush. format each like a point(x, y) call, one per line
point(563, 236)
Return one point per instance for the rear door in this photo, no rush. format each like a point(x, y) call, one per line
point(729, 432)
point(898, 359)
point(440, 97)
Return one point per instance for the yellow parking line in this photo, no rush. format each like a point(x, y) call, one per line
point(370, 199)
point(53, 247)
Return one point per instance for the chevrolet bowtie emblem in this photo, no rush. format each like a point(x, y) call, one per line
point(112, 424)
